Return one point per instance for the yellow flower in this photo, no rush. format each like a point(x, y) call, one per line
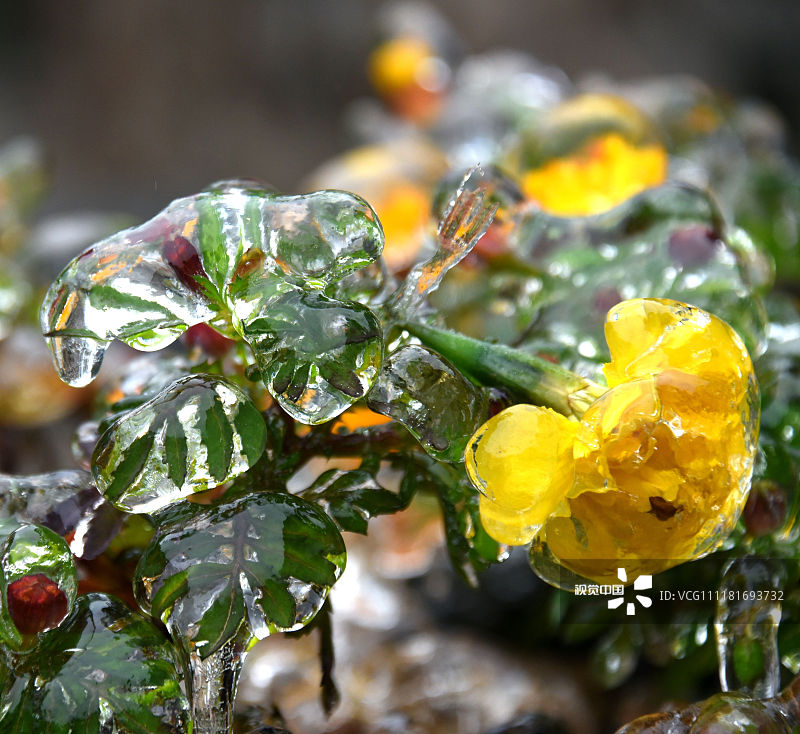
point(660, 464)
point(604, 172)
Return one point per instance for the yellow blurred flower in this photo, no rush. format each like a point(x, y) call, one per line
point(604, 172)
point(409, 76)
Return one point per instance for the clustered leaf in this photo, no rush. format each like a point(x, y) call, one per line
point(106, 668)
point(240, 258)
point(351, 498)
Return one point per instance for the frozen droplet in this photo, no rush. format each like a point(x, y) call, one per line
point(213, 682)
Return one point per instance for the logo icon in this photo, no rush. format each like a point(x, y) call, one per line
point(641, 583)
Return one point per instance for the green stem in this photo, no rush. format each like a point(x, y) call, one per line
point(526, 376)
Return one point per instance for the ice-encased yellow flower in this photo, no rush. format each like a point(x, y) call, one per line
point(521, 460)
point(661, 463)
point(602, 173)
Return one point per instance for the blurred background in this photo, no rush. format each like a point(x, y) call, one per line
point(138, 103)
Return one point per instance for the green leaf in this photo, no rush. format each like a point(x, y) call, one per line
point(38, 581)
point(324, 234)
point(124, 287)
point(195, 434)
point(176, 450)
point(212, 242)
point(262, 563)
point(351, 498)
point(105, 668)
point(317, 355)
point(217, 432)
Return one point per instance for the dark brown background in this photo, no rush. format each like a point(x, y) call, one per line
point(141, 101)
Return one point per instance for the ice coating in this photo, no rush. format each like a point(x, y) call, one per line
point(196, 434)
point(32, 498)
point(435, 402)
point(521, 461)
point(317, 355)
point(121, 288)
point(38, 580)
point(465, 219)
point(664, 459)
point(202, 259)
point(669, 241)
point(661, 462)
point(67, 502)
point(746, 626)
point(106, 668)
point(222, 576)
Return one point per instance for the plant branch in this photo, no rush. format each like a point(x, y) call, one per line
point(524, 375)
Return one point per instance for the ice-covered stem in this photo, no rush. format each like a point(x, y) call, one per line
point(746, 626)
point(526, 376)
point(213, 682)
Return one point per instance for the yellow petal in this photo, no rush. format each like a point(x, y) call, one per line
point(521, 461)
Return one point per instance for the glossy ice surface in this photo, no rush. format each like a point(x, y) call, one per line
point(432, 399)
point(257, 565)
point(105, 669)
point(521, 460)
point(197, 433)
point(661, 463)
point(746, 626)
point(246, 261)
point(38, 581)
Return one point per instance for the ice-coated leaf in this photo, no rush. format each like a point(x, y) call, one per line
point(105, 669)
point(198, 260)
point(196, 434)
point(351, 498)
point(135, 286)
point(317, 355)
point(38, 580)
point(263, 563)
point(667, 242)
point(67, 502)
point(32, 498)
point(324, 234)
point(431, 398)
